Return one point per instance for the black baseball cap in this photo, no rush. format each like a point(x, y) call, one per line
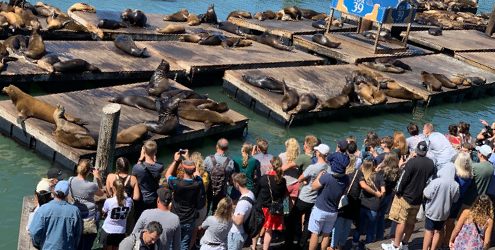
point(422, 148)
point(55, 173)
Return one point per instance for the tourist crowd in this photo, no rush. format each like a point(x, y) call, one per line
point(446, 178)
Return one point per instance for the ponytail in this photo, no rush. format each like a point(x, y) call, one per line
point(247, 148)
point(119, 192)
point(277, 167)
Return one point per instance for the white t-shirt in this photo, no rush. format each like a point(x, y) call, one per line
point(243, 207)
point(116, 219)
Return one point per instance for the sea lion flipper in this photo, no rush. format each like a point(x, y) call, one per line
point(22, 115)
point(208, 125)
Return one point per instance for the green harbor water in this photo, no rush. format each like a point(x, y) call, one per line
point(21, 168)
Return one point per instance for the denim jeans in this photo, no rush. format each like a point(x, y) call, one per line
point(340, 232)
point(367, 218)
point(382, 211)
point(235, 241)
point(186, 231)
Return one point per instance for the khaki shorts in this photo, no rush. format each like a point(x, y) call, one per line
point(402, 212)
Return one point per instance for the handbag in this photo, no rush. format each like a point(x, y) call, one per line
point(276, 208)
point(89, 224)
point(344, 201)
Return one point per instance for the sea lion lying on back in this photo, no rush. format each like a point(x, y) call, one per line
point(271, 40)
point(82, 141)
point(46, 10)
point(63, 124)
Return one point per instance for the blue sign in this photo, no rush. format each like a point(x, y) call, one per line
point(381, 11)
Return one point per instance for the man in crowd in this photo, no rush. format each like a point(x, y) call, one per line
point(147, 172)
point(439, 146)
point(260, 153)
point(409, 196)
point(57, 224)
point(170, 222)
point(237, 236)
point(149, 239)
point(482, 175)
point(53, 176)
point(386, 144)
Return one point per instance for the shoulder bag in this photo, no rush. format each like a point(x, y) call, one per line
point(89, 224)
point(344, 201)
point(276, 208)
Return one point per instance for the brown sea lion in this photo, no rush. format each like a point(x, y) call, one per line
point(15, 43)
point(430, 82)
point(208, 117)
point(14, 19)
point(132, 134)
point(70, 24)
point(307, 102)
point(445, 81)
point(211, 16)
point(75, 65)
point(402, 94)
point(46, 10)
point(4, 22)
point(348, 87)
point(54, 23)
point(334, 102)
point(140, 102)
point(3, 50)
point(323, 40)
point(239, 14)
point(179, 16)
point(64, 125)
point(172, 29)
point(193, 20)
point(265, 82)
point(36, 47)
point(82, 141)
point(82, 7)
point(279, 15)
point(294, 12)
point(308, 14)
point(184, 94)
point(29, 106)
point(168, 119)
point(135, 18)
point(111, 24)
point(28, 17)
point(47, 61)
point(319, 16)
point(191, 38)
point(238, 42)
point(319, 24)
point(207, 104)
point(259, 16)
point(127, 45)
point(159, 81)
point(4, 6)
point(378, 95)
point(387, 83)
point(435, 31)
point(269, 14)
point(271, 40)
point(290, 98)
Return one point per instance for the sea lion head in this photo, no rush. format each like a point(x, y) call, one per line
point(124, 14)
point(116, 99)
point(12, 91)
point(59, 112)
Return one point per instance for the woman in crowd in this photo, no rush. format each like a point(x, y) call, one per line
point(400, 144)
point(474, 227)
point(82, 192)
point(454, 138)
point(115, 212)
point(271, 189)
point(463, 129)
point(198, 160)
point(389, 168)
point(218, 226)
point(372, 140)
point(292, 151)
point(245, 164)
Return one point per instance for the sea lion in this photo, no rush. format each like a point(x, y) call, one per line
point(364, 94)
point(179, 16)
point(319, 24)
point(211, 16)
point(445, 81)
point(364, 75)
point(28, 17)
point(335, 22)
point(279, 14)
point(168, 119)
point(47, 61)
point(5, 59)
point(36, 47)
point(82, 141)
point(64, 125)
point(135, 18)
point(430, 21)
point(159, 81)
point(307, 102)
point(29, 106)
point(286, 17)
point(47, 10)
point(230, 27)
point(384, 68)
point(430, 82)
point(308, 14)
point(271, 40)
point(3, 50)
point(265, 82)
point(387, 83)
point(139, 102)
point(435, 31)
point(14, 19)
point(82, 7)
point(259, 16)
point(111, 24)
point(75, 65)
point(323, 40)
point(469, 80)
point(126, 44)
point(172, 29)
point(208, 117)
point(348, 87)
point(334, 102)
point(269, 14)
point(294, 12)
point(184, 94)
point(54, 23)
point(290, 98)
point(132, 134)
point(238, 42)
point(4, 6)
point(394, 62)
point(191, 38)
point(15, 43)
point(213, 40)
point(402, 94)
point(193, 20)
point(208, 104)
point(239, 14)
point(4, 23)
point(319, 16)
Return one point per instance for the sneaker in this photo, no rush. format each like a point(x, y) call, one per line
point(389, 246)
point(404, 246)
point(260, 242)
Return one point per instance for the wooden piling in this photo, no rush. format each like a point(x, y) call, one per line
point(491, 22)
point(107, 139)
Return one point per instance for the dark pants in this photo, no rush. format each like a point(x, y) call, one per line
point(141, 206)
point(213, 202)
point(295, 215)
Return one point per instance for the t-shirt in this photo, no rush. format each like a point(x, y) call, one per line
point(329, 195)
point(368, 200)
point(264, 162)
point(306, 194)
point(147, 186)
point(170, 224)
point(412, 182)
point(83, 192)
point(216, 231)
point(290, 174)
point(482, 175)
point(185, 198)
point(389, 185)
point(252, 165)
point(115, 222)
point(244, 208)
point(303, 161)
point(412, 142)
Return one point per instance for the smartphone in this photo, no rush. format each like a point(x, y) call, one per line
point(182, 151)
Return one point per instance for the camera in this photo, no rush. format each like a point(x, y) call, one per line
point(367, 148)
point(182, 151)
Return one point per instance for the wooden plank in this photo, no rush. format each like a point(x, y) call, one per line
point(287, 28)
point(88, 104)
point(194, 57)
point(359, 41)
point(482, 60)
point(323, 81)
point(454, 40)
point(349, 54)
point(440, 64)
point(24, 241)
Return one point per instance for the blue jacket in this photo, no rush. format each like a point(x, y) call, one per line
point(56, 225)
point(338, 162)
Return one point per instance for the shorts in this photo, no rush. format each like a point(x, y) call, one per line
point(431, 225)
point(402, 212)
point(274, 222)
point(293, 190)
point(321, 221)
point(202, 216)
point(107, 239)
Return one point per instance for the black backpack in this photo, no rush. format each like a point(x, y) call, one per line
point(256, 220)
point(218, 176)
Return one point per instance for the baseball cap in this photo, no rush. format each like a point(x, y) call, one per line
point(164, 195)
point(55, 173)
point(323, 148)
point(422, 148)
point(43, 186)
point(342, 144)
point(62, 186)
point(188, 164)
point(484, 150)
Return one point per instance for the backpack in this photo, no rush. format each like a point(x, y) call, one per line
point(252, 226)
point(217, 177)
point(202, 197)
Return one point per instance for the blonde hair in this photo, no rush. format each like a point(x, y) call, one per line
point(198, 160)
point(482, 209)
point(368, 169)
point(247, 148)
point(292, 149)
point(150, 147)
point(180, 172)
point(311, 141)
point(400, 143)
point(277, 167)
point(84, 167)
point(352, 164)
point(390, 166)
point(463, 166)
point(119, 192)
point(224, 210)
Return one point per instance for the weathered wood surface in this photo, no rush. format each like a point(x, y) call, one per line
point(24, 241)
point(323, 81)
point(360, 42)
point(114, 63)
point(194, 57)
point(440, 64)
point(482, 60)
point(287, 28)
point(454, 40)
point(154, 22)
point(350, 54)
point(87, 104)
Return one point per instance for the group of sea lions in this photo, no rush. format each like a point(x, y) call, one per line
point(435, 82)
point(445, 19)
point(291, 13)
point(388, 65)
point(209, 37)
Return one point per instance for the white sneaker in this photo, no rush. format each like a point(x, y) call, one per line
point(259, 243)
point(389, 246)
point(404, 247)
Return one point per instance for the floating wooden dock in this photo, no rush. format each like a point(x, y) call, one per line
point(154, 21)
point(87, 104)
point(347, 52)
point(24, 241)
point(482, 60)
point(441, 64)
point(287, 29)
point(323, 81)
point(454, 41)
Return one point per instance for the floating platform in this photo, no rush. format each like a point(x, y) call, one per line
point(454, 41)
point(88, 104)
point(154, 21)
point(287, 29)
point(323, 81)
point(24, 241)
point(482, 60)
point(441, 64)
point(349, 53)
